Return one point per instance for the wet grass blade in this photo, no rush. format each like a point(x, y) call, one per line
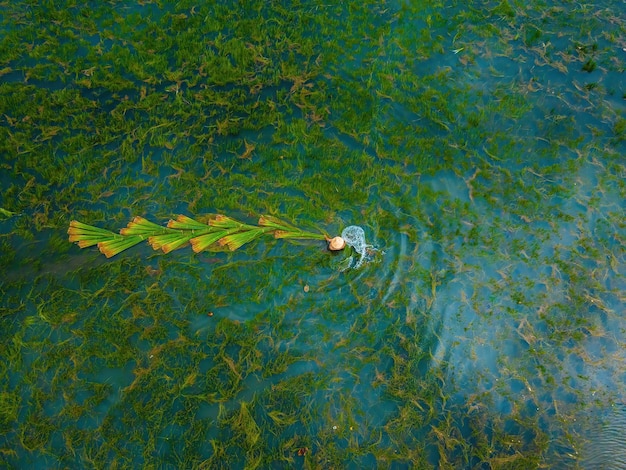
point(171, 241)
point(175, 244)
point(285, 230)
point(157, 242)
point(221, 221)
point(88, 235)
point(78, 228)
point(299, 234)
point(141, 226)
point(237, 240)
point(269, 221)
point(183, 222)
point(203, 242)
point(111, 248)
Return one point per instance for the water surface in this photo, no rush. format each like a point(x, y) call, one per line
point(479, 145)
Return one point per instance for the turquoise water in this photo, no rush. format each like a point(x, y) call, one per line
point(479, 145)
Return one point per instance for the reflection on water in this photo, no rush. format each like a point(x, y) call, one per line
point(606, 448)
point(474, 321)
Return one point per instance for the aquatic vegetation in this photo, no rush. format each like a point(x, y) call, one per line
point(479, 146)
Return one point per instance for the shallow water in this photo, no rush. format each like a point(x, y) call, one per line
point(471, 154)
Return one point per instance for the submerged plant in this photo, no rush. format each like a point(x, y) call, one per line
point(214, 233)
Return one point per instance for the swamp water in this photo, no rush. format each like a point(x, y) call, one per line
point(480, 147)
